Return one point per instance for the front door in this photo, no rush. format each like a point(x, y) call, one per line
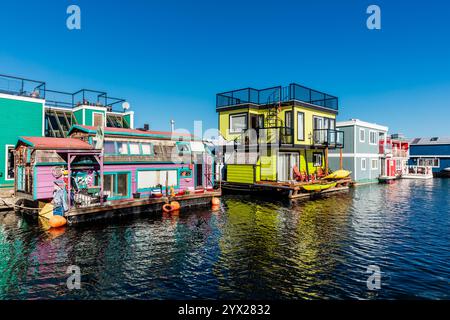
point(286, 163)
point(199, 175)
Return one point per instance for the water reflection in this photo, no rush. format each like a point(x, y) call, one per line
point(247, 248)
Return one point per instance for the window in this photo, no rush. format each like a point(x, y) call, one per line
point(317, 159)
point(9, 162)
point(373, 137)
point(147, 148)
point(363, 164)
point(300, 126)
point(261, 121)
point(152, 178)
point(238, 123)
point(374, 164)
point(116, 185)
point(134, 148)
point(288, 119)
point(362, 135)
point(97, 120)
point(110, 147)
point(183, 147)
point(186, 173)
point(429, 162)
point(122, 148)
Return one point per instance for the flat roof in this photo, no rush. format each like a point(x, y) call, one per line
point(357, 122)
point(47, 143)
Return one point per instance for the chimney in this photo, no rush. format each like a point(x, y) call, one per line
point(172, 125)
point(146, 127)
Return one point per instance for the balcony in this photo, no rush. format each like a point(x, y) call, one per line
point(290, 94)
point(271, 137)
point(328, 138)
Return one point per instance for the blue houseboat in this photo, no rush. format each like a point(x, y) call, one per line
point(434, 152)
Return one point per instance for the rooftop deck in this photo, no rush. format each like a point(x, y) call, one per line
point(261, 97)
point(37, 89)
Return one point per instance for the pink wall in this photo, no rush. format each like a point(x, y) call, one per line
point(45, 179)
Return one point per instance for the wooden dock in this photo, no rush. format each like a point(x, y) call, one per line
point(291, 190)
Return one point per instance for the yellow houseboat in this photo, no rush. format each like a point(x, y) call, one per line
point(277, 138)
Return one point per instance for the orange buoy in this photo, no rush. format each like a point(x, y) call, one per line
point(175, 213)
point(215, 208)
point(215, 201)
point(175, 205)
point(167, 208)
point(57, 221)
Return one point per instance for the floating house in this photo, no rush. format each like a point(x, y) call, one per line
point(117, 170)
point(362, 153)
point(29, 108)
point(277, 138)
point(395, 156)
point(433, 152)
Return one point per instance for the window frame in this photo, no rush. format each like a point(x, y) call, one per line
point(7, 148)
point(115, 179)
point(375, 143)
point(363, 160)
point(371, 164)
point(230, 122)
point(364, 138)
point(184, 143)
point(314, 160)
point(303, 126)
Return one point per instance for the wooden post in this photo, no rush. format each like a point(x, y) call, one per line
point(306, 162)
point(326, 161)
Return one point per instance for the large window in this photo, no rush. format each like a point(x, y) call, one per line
point(9, 163)
point(300, 126)
point(152, 178)
point(116, 185)
point(238, 123)
point(429, 162)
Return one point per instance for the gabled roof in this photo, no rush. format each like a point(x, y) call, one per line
point(45, 143)
point(132, 132)
point(430, 141)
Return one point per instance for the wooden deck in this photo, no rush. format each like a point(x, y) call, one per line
point(137, 206)
point(291, 190)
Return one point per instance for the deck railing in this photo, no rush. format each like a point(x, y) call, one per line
point(278, 94)
point(328, 138)
point(22, 87)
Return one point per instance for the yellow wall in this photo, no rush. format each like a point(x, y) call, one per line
point(224, 121)
point(240, 173)
point(309, 154)
point(269, 167)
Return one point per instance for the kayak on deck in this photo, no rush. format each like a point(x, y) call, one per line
point(319, 186)
point(339, 174)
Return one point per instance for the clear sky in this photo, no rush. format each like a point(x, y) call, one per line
point(170, 58)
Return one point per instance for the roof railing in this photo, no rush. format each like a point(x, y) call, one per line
point(22, 87)
point(278, 94)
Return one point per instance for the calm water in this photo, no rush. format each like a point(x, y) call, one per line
point(249, 249)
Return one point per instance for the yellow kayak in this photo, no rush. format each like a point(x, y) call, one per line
point(339, 174)
point(319, 186)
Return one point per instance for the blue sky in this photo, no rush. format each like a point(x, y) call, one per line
point(170, 58)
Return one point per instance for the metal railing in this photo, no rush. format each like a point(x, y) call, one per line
point(22, 87)
point(328, 138)
point(293, 92)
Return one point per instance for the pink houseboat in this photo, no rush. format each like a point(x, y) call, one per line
point(113, 171)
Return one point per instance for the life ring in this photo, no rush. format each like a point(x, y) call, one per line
point(167, 208)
